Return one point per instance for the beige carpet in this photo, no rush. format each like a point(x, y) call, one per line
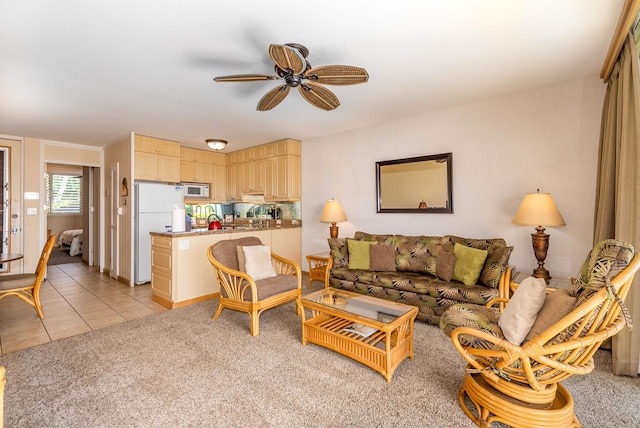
point(180, 368)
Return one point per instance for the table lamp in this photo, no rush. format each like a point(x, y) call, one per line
point(539, 209)
point(333, 213)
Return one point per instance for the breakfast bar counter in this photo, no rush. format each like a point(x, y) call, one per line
point(180, 270)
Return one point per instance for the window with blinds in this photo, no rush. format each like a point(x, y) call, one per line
point(64, 194)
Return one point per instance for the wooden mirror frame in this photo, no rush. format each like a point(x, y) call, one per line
point(441, 158)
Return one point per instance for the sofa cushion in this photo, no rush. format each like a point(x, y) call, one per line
point(607, 258)
point(258, 263)
point(477, 317)
point(521, 311)
point(469, 264)
point(495, 265)
point(445, 262)
point(556, 306)
point(225, 251)
point(272, 286)
point(359, 253)
point(481, 244)
point(383, 258)
point(401, 282)
point(339, 251)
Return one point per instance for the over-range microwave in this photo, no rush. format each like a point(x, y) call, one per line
point(195, 190)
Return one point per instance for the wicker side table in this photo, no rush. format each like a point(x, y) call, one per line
point(317, 268)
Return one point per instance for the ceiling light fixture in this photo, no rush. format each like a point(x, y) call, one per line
point(216, 144)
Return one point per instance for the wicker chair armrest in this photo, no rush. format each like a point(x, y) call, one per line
point(496, 301)
point(327, 272)
point(504, 290)
point(233, 281)
point(503, 350)
point(285, 266)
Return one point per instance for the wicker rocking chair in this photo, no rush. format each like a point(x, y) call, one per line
point(520, 385)
point(240, 292)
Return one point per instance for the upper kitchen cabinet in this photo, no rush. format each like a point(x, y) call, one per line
point(156, 159)
point(283, 147)
point(196, 166)
point(272, 170)
point(283, 178)
point(283, 171)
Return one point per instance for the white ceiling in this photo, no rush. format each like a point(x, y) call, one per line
point(90, 72)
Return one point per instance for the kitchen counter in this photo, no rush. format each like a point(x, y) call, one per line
point(229, 228)
point(181, 273)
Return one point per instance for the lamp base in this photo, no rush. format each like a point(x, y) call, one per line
point(333, 230)
point(540, 241)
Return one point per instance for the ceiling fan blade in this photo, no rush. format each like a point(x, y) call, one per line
point(337, 75)
point(319, 96)
point(287, 58)
point(273, 98)
point(244, 78)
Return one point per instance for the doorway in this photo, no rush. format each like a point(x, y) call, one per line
point(71, 207)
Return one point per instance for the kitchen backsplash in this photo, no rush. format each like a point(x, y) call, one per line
point(284, 210)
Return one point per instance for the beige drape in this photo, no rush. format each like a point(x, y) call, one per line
point(617, 214)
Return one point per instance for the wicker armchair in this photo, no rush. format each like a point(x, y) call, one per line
point(240, 292)
point(26, 286)
point(519, 385)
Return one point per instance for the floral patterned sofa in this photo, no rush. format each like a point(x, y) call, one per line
point(419, 270)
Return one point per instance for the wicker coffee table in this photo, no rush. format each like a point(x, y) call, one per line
point(375, 332)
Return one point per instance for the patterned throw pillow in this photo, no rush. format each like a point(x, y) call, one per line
point(605, 260)
point(418, 253)
point(494, 266)
point(339, 251)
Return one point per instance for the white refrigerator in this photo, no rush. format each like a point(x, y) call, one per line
point(154, 202)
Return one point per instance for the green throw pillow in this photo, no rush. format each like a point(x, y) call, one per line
point(469, 264)
point(359, 254)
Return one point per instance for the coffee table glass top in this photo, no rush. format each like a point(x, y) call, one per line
point(370, 307)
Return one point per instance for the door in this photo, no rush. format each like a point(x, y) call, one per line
point(114, 222)
point(12, 232)
point(90, 220)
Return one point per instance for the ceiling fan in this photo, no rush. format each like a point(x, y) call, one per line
point(292, 66)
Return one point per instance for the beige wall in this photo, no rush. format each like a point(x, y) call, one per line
point(545, 138)
point(71, 154)
point(119, 153)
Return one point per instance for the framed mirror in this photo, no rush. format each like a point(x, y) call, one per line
point(421, 185)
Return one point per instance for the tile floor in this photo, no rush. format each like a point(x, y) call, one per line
point(75, 299)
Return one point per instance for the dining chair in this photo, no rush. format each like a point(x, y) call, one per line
point(26, 286)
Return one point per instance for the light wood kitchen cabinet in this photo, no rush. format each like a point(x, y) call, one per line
point(195, 172)
point(234, 182)
point(218, 190)
point(283, 178)
point(196, 166)
point(283, 147)
point(163, 267)
point(253, 176)
point(219, 159)
point(156, 159)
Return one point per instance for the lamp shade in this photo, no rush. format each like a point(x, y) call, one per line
point(538, 209)
point(216, 144)
point(332, 212)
